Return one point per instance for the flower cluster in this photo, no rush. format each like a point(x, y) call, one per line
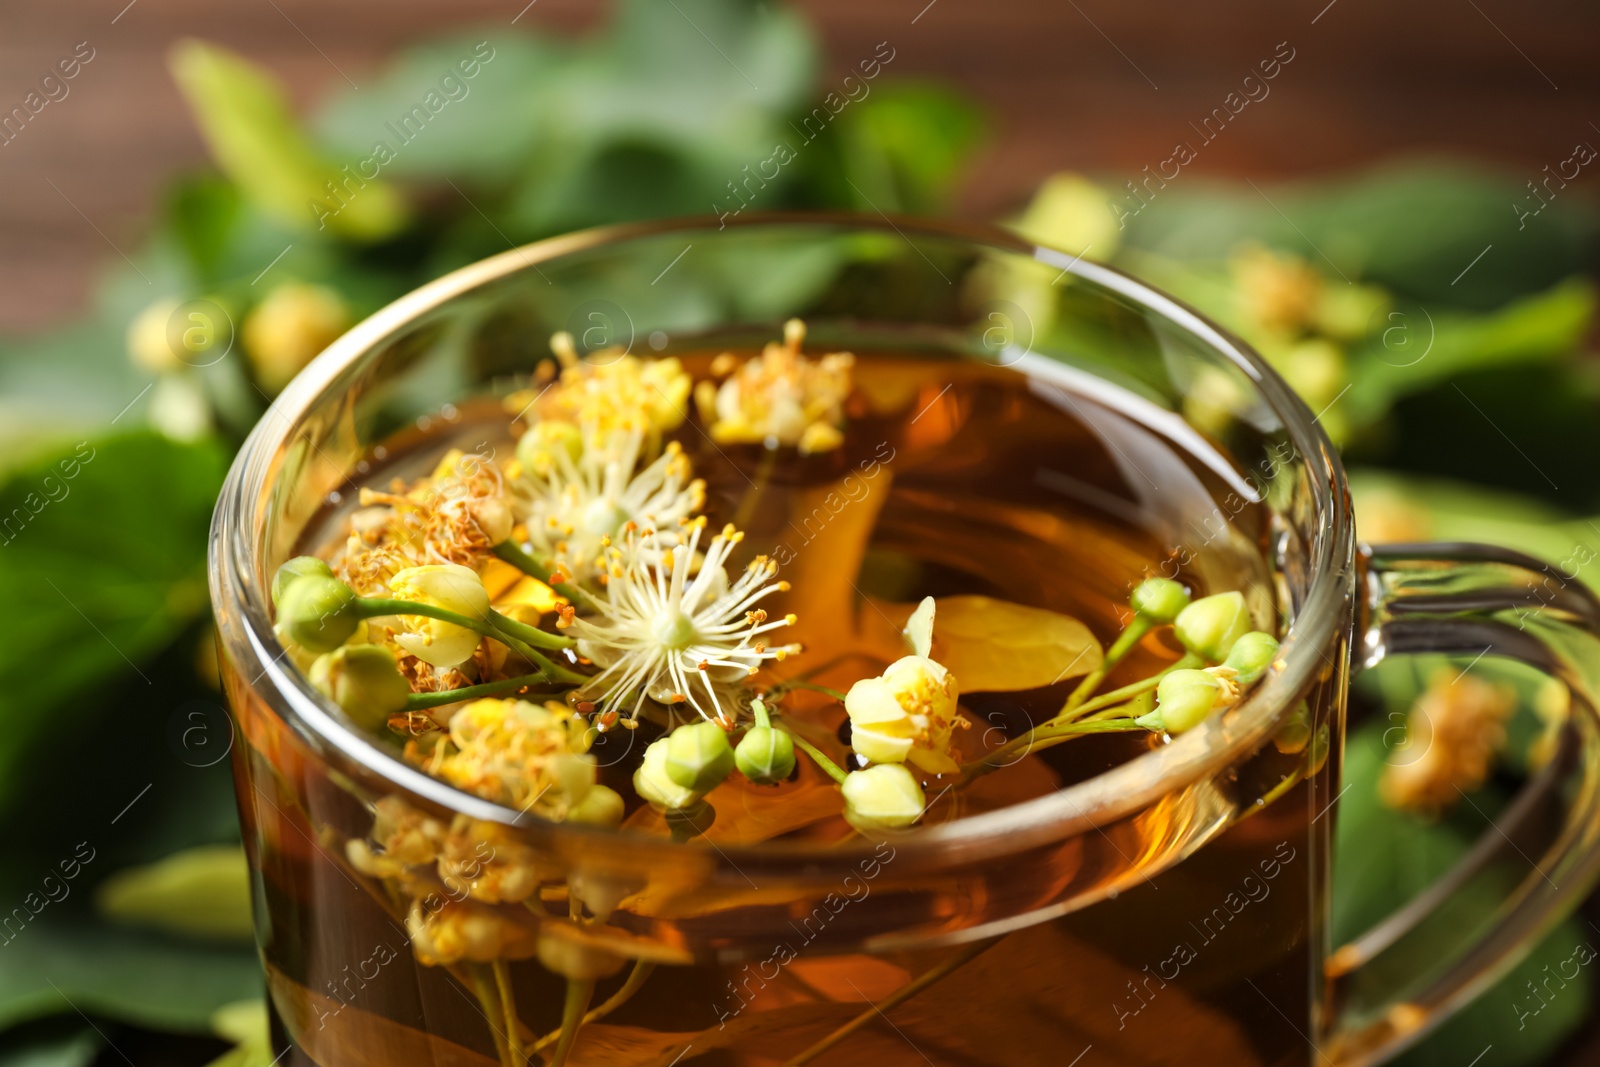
point(1452, 736)
point(779, 397)
point(673, 627)
point(521, 755)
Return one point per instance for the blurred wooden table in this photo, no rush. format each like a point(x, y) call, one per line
point(1081, 83)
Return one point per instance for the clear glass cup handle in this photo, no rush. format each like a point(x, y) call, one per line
point(1392, 984)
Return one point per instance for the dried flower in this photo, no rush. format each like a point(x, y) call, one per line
point(514, 753)
point(448, 586)
point(657, 627)
point(781, 397)
point(909, 712)
point(1277, 292)
point(573, 507)
point(609, 390)
point(455, 515)
point(1452, 734)
point(886, 796)
point(469, 931)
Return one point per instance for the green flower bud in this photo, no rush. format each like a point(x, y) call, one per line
point(1159, 599)
point(1295, 732)
point(600, 806)
point(765, 755)
point(652, 782)
point(884, 796)
point(318, 614)
point(699, 756)
point(1184, 699)
point(1251, 655)
point(1211, 625)
point(364, 681)
point(297, 568)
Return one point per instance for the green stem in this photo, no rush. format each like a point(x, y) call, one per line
point(527, 564)
point(1041, 737)
point(483, 985)
point(1117, 696)
point(794, 683)
point(642, 970)
point(374, 606)
point(758, 708)
point(1124, 643)
point(421, 701)
point(578, 995)
point(815, 753)
point(747, 506)
point(531, 635)
point(502, 981)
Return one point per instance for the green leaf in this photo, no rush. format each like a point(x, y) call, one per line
point(245, 1023)
point(488, 127)
point(245, 117)
point(201, 893)
point(1413, 227)
point(102, 564)
point(59, 1043)
point(905, 145)
point(1434, 347)
point(56, 966)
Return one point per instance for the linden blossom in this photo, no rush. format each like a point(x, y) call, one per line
point(453, 85)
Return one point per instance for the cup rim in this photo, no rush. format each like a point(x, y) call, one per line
point(236, 577)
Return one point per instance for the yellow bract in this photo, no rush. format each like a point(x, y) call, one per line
point(996, 646)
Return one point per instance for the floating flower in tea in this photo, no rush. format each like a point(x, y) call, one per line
point(780, 397)
point(504, 615)
point(676, 637)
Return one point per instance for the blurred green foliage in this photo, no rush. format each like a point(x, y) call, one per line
point(1404, 303)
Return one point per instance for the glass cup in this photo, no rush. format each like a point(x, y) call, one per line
point(1171, 909)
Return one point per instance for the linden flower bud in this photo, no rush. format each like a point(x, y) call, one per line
point(289, 327)
point(296, 568)
point(699, 756)
point(601, 806)
point(364, 681)
point(765, 755)
point(884, 797)
point(908, 713)
point(317, 613)
point(1184, 699)
point(1251, 655)
point(449, 586)
point(1211, 625)
point(1159, 599)
point(653, 782)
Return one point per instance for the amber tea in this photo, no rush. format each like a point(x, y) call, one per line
point(714, 602)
